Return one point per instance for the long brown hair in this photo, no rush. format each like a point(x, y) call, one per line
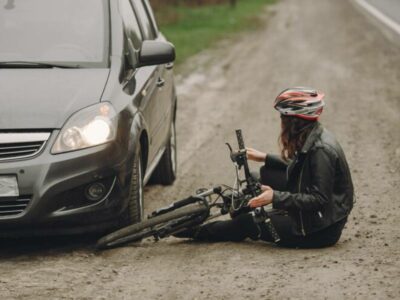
point(293, 135)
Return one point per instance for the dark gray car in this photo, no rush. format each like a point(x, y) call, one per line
point(87, 113)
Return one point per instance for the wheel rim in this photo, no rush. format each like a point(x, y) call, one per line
point(173, 147)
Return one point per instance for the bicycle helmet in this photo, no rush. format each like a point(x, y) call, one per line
point(302, 102)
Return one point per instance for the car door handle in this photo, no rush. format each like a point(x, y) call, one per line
point(160, 82)
point(169, 66)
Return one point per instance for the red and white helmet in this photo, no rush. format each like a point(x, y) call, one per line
point(301, 102)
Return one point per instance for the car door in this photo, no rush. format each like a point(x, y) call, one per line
point(145, 78)
point(164, 80)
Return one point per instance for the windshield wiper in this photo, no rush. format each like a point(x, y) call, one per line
point(32, 64)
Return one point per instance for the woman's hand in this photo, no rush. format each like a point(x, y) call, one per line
point(263, 199)
point(255, 155)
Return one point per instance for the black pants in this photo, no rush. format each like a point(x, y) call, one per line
point(243, 227)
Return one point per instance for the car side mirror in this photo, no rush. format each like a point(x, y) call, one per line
point(156, 53)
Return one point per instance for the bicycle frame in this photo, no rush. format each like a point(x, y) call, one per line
point(199, 208)
point(234, 203)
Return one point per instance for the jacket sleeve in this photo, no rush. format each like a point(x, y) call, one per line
point(275, 162)
point(273, 173)
point(319, 191)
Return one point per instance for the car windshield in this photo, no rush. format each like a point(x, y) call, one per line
point(67, 32)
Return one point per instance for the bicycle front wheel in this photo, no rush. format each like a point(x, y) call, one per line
point(147, 228)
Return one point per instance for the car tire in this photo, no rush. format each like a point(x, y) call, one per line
point(165, 172)
point(135, 209)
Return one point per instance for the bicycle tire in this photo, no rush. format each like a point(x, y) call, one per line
point(137, 231)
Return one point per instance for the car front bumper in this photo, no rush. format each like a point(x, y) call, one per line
point(54, 186)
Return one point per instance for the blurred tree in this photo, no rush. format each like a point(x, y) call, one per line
point(157, 4)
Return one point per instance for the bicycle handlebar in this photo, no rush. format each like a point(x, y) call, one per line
point(253, 188)
point(239, 137)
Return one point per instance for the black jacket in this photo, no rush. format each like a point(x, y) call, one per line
point(319, 189)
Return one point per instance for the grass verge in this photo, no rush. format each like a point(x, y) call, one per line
point(192, 29)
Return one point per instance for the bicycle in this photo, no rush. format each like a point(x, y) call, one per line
point(197, 209)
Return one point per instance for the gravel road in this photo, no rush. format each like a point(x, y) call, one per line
point(325, 44)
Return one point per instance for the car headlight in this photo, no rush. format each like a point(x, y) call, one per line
point(92, 126)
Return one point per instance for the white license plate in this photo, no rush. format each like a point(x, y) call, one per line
point(8, 186)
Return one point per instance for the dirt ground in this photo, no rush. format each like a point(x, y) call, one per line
point(326, 44)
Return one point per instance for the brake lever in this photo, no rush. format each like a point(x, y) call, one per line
point(237, 156)
point(233, 155)
point(230, 147)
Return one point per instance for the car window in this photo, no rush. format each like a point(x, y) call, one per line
point(146, 25)
point(131, 25)
point(61, 31)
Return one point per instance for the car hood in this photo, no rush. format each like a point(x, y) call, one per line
point(46, 98)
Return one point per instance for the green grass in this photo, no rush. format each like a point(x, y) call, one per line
point(192, 29)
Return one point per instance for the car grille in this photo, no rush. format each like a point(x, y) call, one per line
point(21, 145)
point(13, 206)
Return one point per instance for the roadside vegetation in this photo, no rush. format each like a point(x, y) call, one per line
point(193, 25)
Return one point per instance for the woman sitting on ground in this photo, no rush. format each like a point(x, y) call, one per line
point(309, 185)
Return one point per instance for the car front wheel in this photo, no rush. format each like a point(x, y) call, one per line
point(134, 210)
point(165, 172)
